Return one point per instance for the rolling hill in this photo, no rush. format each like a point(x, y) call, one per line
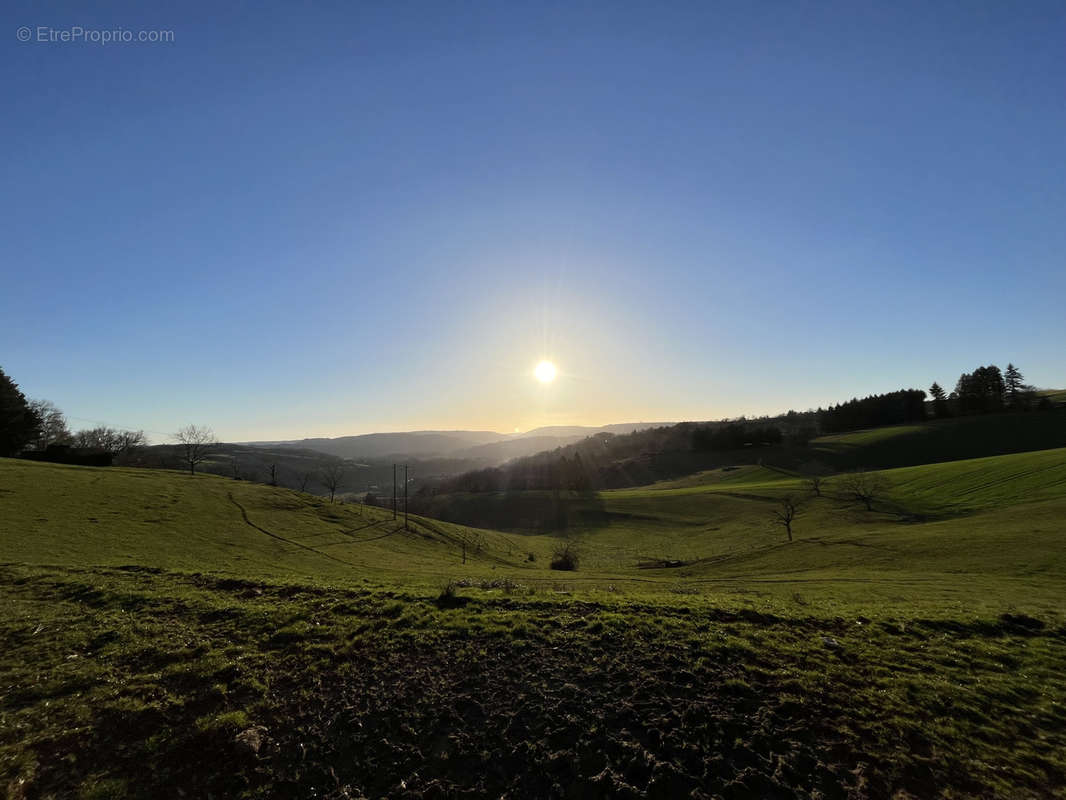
point(488, 446)
point(55, 514)
point(203, 636)
point(937, 520)
point(643, 457)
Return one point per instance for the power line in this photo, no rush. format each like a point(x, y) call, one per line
point(169, 434)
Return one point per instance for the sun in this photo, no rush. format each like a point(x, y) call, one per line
point(545, 372)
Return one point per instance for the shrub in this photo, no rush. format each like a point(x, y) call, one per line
point(564, 557)
point(448, 598)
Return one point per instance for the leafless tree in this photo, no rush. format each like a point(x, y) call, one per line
point(814, 483)
point(273, 474)
point(305, 478)
point(53, 428)
point(95, 439)
point(786, 512)
point(109, 440)
point(128, 441)
point(866, 487)
point(331, 478)
point(196, 444)
point(235, 467)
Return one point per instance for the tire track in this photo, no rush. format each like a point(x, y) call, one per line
point(244, 516)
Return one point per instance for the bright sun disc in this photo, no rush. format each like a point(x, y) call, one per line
point(545, 372)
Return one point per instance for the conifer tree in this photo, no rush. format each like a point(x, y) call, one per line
point(19, 423)
point(940, 401)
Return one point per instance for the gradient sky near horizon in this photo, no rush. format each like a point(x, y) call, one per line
point(337, 218)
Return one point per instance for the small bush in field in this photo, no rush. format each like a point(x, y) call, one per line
point(448, 598)
point(564, 558)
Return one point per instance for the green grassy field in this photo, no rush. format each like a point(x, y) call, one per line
point(163, 632)
point(63, 515)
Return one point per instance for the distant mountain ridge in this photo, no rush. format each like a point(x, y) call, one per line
point(488, 445)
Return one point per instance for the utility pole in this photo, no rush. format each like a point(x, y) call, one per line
point(405, 497)
point(394, 491)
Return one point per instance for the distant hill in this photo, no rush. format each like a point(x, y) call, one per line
point(611, 462)
point(580, 431)
point(488, 446)
point(499, 452)
point(413, 443)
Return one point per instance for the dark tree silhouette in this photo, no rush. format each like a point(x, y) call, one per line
point(906, 405)
point(1019, 396)
point(980, 391)
point(273, 474)
point(1012, 382)
point(940, 400)
point(814, 484)
point(19, 423)
point(787, 510)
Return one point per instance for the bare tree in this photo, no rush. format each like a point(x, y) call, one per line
point(788, 508)
point(814, 483)
point(109, 440)
point(53, 428)
point(128, 441)
point(331, 478)
point(273, 474)
point(304, 480)
point(196, 444)
point(866, 487)
point(95, 439)
point(235, 468)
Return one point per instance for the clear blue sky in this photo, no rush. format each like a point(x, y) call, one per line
point(330, 218)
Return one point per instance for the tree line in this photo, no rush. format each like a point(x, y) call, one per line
point(36, 426)
point(905, 405)
point(987, 390)
point(38, 430)
point(983, 391)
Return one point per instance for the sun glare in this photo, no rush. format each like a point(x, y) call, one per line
point(545, 372)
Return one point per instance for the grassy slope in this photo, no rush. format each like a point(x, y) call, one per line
point(54, 514)
point(985, 529)
point(955, 537)
point(915, 651)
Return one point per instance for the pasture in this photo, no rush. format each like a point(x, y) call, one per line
point(168, 635)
